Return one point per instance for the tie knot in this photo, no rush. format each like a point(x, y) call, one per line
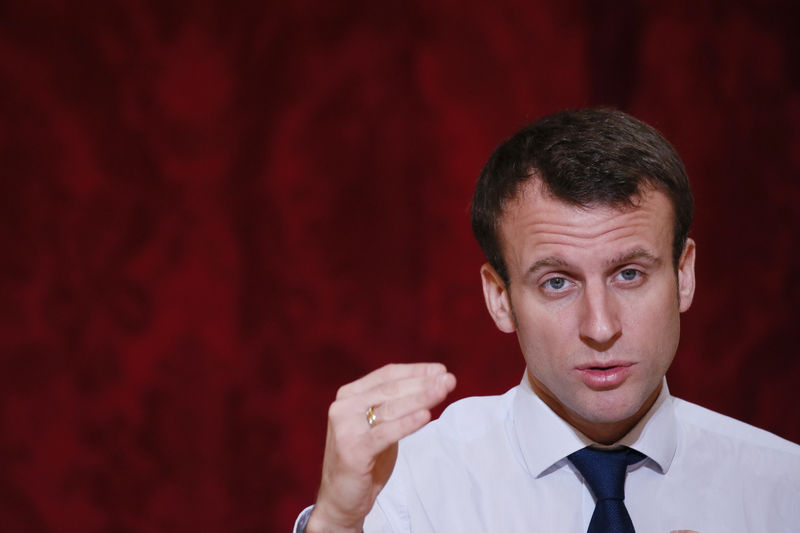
point(604, 470)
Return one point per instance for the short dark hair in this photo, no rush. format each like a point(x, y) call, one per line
point(584, 157)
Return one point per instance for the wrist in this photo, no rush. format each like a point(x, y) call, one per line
point(320, 522)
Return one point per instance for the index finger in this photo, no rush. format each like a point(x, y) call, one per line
point(390, 372)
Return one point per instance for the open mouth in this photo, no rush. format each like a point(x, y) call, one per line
point(605, 376)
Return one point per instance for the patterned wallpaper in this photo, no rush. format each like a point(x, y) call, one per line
point(212, 214)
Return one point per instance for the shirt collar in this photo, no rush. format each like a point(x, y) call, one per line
point(545, 438)
point(656, 434)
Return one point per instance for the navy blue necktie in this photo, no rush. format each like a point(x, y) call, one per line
point(604, 471)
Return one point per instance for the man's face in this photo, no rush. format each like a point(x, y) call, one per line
point(595, 301)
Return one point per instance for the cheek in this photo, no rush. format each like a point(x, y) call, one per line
point(546, 336)
point(656, 325)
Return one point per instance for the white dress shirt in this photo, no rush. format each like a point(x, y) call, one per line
point(498, 464)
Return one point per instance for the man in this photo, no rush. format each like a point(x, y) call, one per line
point(584, 217)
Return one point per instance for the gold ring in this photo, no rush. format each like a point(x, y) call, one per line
point(372, 418)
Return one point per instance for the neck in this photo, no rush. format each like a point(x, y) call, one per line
point(599, 432)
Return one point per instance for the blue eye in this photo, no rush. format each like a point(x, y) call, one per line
point(555, 284)
point(629, 274)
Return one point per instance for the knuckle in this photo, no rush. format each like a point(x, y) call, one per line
point(343, 391)
point(389, 369)
point(334, 410)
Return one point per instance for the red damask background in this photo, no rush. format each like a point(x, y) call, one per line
point(215, 213)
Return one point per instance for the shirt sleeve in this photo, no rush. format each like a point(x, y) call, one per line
point(302, 520)
point(375, 521)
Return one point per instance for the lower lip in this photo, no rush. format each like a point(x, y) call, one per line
point(605, 378)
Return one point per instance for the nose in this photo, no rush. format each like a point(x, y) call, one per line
point(600, 324)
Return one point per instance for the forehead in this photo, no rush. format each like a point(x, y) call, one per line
point(537, 223)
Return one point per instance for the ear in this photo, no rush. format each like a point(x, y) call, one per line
point(686, 279)
point(497, 300)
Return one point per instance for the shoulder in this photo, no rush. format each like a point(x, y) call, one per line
point(716, 426)
point(729, 467)
point(725, 426)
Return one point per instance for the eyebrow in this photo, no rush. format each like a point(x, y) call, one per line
point(637, 254)
point(547, 262)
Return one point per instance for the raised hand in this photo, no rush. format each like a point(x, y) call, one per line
point(359, 455)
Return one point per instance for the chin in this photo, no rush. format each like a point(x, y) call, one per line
point(612, 410)
point(613, 417)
